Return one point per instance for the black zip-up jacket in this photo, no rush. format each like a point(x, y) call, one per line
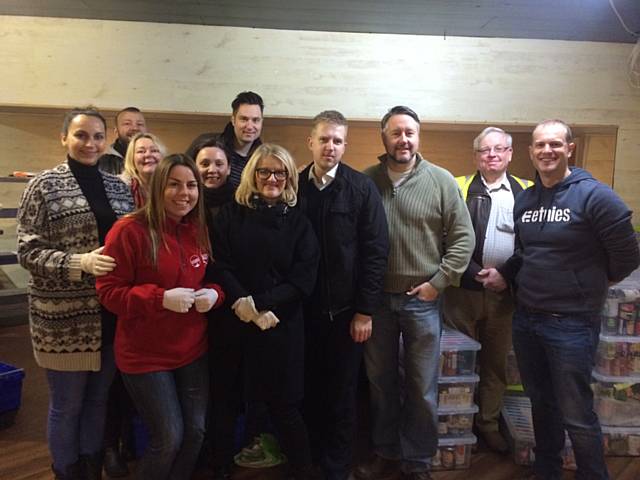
point(479, 205)
point(354, 244)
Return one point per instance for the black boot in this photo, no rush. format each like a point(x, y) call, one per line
point(92, 465)
point(115, 465)
point(74, 471)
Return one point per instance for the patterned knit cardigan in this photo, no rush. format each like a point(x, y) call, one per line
point(55, 225)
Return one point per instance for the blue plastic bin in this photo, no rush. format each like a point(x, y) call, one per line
point(10, 393)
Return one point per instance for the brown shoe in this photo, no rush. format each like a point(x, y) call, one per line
point(417, 476)
point(495, 441)
point(378, 468)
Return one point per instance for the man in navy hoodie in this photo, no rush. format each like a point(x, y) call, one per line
point(574, 238)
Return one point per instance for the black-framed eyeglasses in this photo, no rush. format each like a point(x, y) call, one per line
point(265, 174)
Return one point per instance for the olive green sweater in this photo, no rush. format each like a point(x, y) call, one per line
point(430, 231)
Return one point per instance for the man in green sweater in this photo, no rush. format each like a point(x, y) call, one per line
point(431, 242)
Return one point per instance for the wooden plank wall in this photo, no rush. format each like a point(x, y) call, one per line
point(195, 69)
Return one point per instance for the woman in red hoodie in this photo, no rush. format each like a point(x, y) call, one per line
point(158, 292)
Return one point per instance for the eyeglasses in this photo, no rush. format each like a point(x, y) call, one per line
point(265, 174)
point(496, 149)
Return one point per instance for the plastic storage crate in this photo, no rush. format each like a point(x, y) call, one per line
point(517, 428)
point(10, 393)
point(618, 356)
point(456, 421)
point(457, 392)
point(617, 400)
point(621, 313)
point(621, 441)
point(457, 353)
point(453, 453)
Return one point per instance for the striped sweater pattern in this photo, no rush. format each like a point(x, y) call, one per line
point(430, 231)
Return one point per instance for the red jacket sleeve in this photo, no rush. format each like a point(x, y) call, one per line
point(116, 290)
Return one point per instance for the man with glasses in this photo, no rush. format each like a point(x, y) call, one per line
point(482, 306)
point(573, 238)
point(431, 241)
point(346, 212)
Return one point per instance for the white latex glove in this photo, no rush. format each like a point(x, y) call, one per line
point(96, 264)
point(266, 319)
point(179, 299)
point(245, 309)
point(205, 299)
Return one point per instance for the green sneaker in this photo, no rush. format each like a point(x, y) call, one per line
point(263, 452)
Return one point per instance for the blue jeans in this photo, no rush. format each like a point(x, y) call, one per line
point(77, 409)
point(555, 354)
point(173, 407)
point(407, 428)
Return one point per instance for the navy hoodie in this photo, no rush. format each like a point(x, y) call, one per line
point(571, 240)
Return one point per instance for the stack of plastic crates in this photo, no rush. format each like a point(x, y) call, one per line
point(456, 388)
point(617, 373)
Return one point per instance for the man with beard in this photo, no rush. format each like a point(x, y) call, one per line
point(129, 122)
point(431, 241)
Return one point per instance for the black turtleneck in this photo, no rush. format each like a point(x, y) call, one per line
point(90, 180)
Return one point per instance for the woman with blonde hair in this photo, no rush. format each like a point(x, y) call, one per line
point(159, 293)
point(144, 152)
point(266, 256)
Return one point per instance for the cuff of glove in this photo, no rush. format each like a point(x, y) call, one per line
point(75, 267)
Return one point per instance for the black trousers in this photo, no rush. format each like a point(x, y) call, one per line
point(332, 363)
point(118, 429)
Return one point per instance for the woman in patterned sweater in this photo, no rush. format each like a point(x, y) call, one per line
point(63, 218)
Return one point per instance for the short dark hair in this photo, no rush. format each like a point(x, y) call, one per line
point(329, 116)
point(127, 109)
point(568, 137)
point(89, 111)
point(247, 98)
point(206, 140)
point(398, 110)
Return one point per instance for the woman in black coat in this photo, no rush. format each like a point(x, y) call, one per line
point(266, 256)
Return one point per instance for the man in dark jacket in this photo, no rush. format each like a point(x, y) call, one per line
point(482, 307)
point(129, 122)
point(242, 134)
point(573, 239)
point(347, 215)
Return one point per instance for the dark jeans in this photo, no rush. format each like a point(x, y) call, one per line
point(332, 363)
point(118, 428)
point(555, 354)
point(173, 407)
point(77, 406)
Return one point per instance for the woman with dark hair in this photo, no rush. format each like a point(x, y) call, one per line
point(158, 292)
point(63, 218)
point(266, 256)
point(208, 151)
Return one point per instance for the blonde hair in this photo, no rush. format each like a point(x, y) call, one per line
point(130, 165)
point(248, 187)
point(153, 214)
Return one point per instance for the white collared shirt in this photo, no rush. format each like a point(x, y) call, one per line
point(326, 179)
point(499, 237)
